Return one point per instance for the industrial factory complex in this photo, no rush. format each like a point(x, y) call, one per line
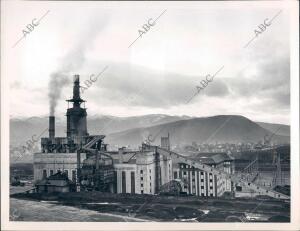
point(81, 162)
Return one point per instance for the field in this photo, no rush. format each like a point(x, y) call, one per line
point(161, 208)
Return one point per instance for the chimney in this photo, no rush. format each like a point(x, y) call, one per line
point(165, 142)
point(51, 127)
point(76, 89)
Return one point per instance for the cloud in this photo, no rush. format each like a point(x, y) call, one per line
point(180, 50)
point(269, 80)
point(217, 88)
point(73, 60)
point(123, 84)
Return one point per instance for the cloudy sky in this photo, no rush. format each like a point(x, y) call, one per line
point(160, 71)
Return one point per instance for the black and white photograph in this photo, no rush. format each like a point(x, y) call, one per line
point(150, 115)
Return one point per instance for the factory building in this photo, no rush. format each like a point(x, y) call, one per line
point(61, 153)
point(84, 158)
point(47, 164)
point(201, 183)
point(81, 162)
point(140, 172)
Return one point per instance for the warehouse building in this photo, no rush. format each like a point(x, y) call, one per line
point(201, 183)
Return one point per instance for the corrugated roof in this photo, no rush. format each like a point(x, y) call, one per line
point(221, 157)
point(211, 158)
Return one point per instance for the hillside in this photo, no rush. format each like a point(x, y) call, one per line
point(223, 128)
point(133, 130)
point(22, 130)
point(279, 129)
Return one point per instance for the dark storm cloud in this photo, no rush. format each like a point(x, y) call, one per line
point(124, 84)
point(272, 81)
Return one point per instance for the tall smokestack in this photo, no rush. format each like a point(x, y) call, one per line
point(76, 115)
point(76, 87)
point(51, 127)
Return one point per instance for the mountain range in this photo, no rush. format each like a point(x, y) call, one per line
point(221, 129)
point(123, 131)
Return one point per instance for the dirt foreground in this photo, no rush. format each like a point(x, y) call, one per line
point(170, 208)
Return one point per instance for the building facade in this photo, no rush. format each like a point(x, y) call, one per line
point(142, 173)
point(201, 183)
point(47, 164)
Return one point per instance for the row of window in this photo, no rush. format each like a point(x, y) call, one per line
point(201, 187)
point(193, 173)
point(133, 182)
point(142, 179)
point(193, 178)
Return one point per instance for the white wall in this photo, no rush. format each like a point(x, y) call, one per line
point(54, 161)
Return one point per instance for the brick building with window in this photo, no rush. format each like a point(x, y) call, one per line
point(201, 183)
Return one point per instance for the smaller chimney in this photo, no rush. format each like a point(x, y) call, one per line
point(165, 142)
point(51, 127)
point(121, 152)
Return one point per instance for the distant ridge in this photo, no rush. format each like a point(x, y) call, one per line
point(280, 129)
point(133, 130)
point(222, 129)
point(21, 129)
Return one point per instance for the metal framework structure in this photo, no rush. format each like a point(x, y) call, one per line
point(232, 177)
point(277, 179)
point(250, 172)
point(100, 177)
